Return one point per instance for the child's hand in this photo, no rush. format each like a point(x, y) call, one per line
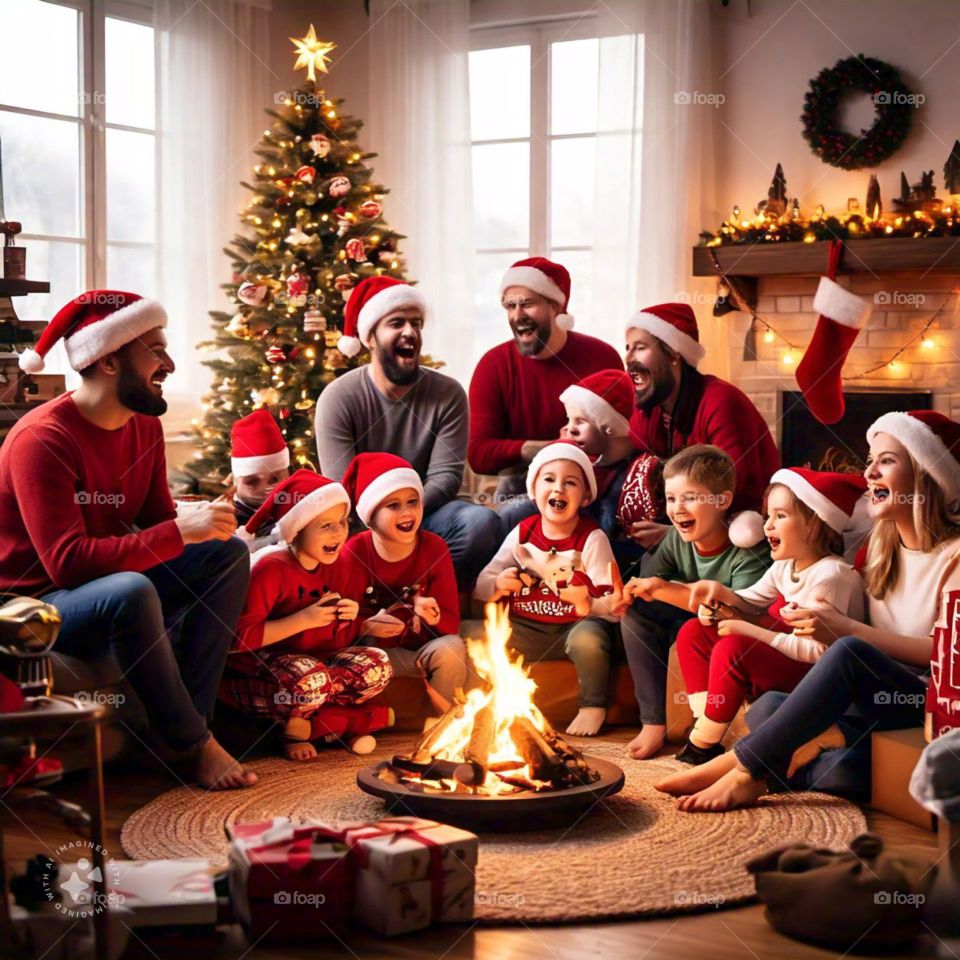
point(647, 533)
point(709, 593)
point(427, 609)
point(383, 626)
point(643, 588)
point(578, 597)
point(347, 609)
point(323, 612)
point(742, 627)
point(509, 581)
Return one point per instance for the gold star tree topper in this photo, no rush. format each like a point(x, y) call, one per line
point(312, 53)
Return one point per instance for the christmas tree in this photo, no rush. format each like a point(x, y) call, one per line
point(315, 229)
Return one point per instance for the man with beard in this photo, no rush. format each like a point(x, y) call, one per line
point(515, 407)
point(677, 406)
point(393, 405)
point(91, 528)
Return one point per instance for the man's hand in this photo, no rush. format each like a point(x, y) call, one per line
point(647, 533)
point(531, 448)
point(825, 624)
point(427, 609)
point(216, 520)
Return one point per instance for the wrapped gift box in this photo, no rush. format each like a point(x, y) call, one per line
point(164, 892)
point(289, 883)
point(411, 873)
point(943, 694)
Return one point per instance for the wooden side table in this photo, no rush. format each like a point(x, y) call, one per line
point(56, 716)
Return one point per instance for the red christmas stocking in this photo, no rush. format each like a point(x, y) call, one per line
point(842, 316)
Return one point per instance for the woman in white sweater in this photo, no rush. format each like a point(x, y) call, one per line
point(913, 474)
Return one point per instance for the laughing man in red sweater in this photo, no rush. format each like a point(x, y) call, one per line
point(90, 527)
point(515, 407)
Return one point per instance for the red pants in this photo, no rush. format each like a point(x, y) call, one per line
point(734, 668)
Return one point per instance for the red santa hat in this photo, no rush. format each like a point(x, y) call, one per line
point(606, 398)
point(675, 325)
point(295, 501)
point(371, 300)
point(831, 496)
point(543, 276)
point(256, 444)
point(561, 450)
point(372, 477)
point(94, 324)
point(932, 439)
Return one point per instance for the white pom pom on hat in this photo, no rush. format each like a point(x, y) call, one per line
point(746, 529)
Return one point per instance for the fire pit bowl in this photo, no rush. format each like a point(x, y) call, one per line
point(518, 811)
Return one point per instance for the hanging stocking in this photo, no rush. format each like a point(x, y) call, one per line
point(842, 316)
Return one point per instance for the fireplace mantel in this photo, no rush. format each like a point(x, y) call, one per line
point(896, 255)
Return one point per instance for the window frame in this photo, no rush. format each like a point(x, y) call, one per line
point(92, 238)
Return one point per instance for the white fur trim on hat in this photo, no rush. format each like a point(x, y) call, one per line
point(924, 446)
point(746, 529)
point(561, 451)
point(114, 331)
point(535, 280)
point(597, 410)
point(688, 348)
point(840, 304)
point(397, 479)
point(807, 493)
point(312, 505)
point(395, 297)
point(268, 462)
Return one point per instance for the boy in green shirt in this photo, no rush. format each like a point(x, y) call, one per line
point(699, 483)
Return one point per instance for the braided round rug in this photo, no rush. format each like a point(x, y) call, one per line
point(635, 856)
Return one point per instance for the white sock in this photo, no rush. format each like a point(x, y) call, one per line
point(707, 732)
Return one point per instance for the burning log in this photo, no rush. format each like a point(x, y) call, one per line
point(437, 769)
point(424, 749)
point(544, 762)
point(481, 740)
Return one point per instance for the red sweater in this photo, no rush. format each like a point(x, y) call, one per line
point(515, 398)
point(280, 586)
point(429, 566)
point(710, 410)
point(81, 502)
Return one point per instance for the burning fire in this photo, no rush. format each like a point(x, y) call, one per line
point(495, 740)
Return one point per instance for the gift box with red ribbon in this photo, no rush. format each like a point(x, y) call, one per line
point(290, 883)
point(943, 693)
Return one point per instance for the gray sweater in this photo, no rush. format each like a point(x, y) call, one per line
point(427, 427)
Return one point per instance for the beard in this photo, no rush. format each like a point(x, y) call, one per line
point(399, 376)
point(540, 340)
point(657, 390)
point(136, 394)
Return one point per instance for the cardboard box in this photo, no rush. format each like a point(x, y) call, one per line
point(895, 753)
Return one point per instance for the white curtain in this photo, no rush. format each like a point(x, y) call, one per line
point(214, 84)
point(419, 123)
point(655, 172)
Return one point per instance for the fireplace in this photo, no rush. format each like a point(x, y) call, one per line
point(804, 441)
point(493, 760)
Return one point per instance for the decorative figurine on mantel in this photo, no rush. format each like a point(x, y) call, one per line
point(921, 196)
point(776, 202)
point(951, 170)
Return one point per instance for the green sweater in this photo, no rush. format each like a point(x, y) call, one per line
point(735, 567)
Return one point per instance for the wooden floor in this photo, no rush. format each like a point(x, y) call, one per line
point(716, 935)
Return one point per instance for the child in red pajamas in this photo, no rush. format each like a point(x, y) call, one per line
point(728, 661)
point(293, 657)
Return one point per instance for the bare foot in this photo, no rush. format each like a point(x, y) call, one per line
point(736, 788)
point(648, 742)
point(587, 722)
point(299, 750)
point(698, 778)
point(218, 770)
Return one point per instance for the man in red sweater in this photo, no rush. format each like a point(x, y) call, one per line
point(515, 407)
point(677, 406)
point(91, 527)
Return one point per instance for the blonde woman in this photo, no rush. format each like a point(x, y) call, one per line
point(913, 475)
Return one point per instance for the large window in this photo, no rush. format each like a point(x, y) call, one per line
point(533, 113)
point(78, 138)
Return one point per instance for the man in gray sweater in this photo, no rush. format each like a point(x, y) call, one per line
point(394, 405)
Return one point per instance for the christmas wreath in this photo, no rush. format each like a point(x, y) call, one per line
point(892, 99)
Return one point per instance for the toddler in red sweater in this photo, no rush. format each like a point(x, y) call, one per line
point(410, 604)
point(293, 660)
point(558, 573)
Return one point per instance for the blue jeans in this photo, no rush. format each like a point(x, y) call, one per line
point(169, 628)
point(649, 630)
point(844, 772)
point(472, 533)
point(886, 693)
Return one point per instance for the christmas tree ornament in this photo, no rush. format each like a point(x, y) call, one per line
point(320, 145)
point(298, 285)
point(275, 354)
point(333, 359)
point(331, 337)
point(313, 53)
point(314, 322)
point(386, 256)
point(305, 174)
point(370, 210)
point(238, 327)
point(304, 403)
point(356, 249)
point(266, 396)
point(296, 237)
point(252, 294)
point(338, 187)
point(346, 282)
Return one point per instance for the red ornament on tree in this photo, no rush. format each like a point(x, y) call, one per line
point(305, 174)
point(339, 187)
point(275, 354)
point(320, 145)
point(370, 210)
point(356, 250)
